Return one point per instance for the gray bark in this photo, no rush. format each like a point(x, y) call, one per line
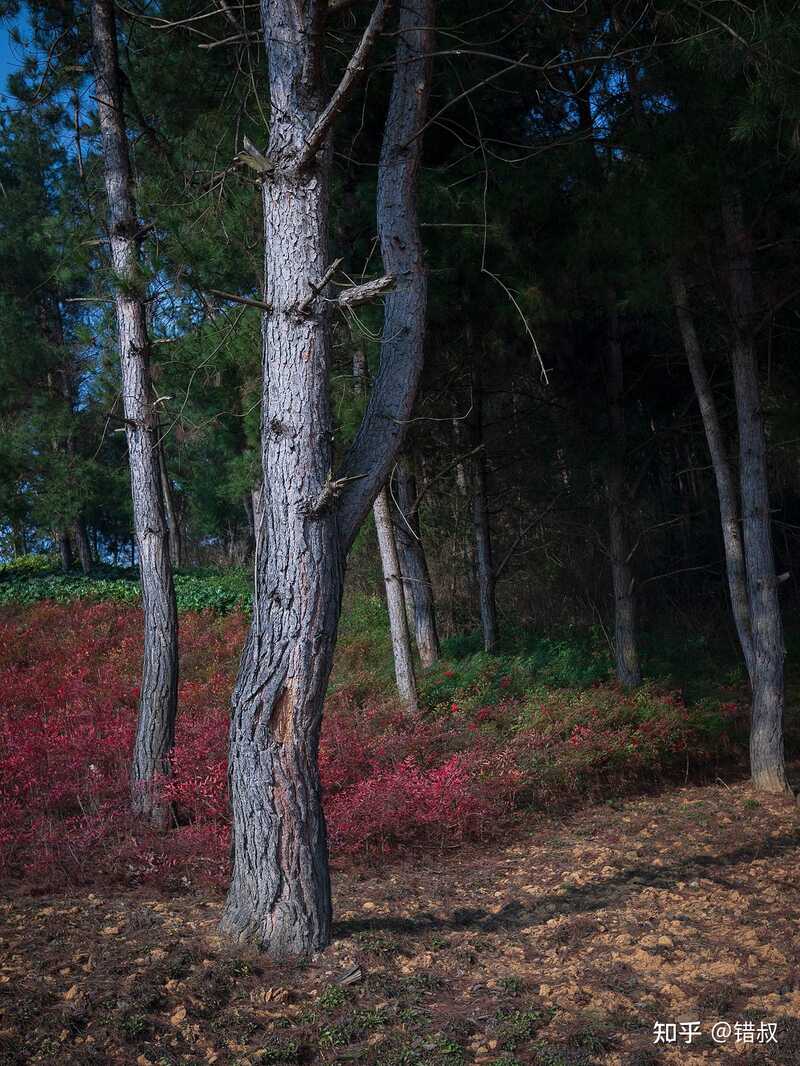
point(395, 601)
point(720, 462)
point(170, 511)
point(155, 733)
point(279, 897)
point(380, 436)
point(766, 728)
point(414, 564)
point(626, 649)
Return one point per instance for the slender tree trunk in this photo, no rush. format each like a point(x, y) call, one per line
point(65, 550)
point(155, 732)
point(83, 545)
point(395, 601)
point(481, 527)
point(723, 474)
point(279, 896)
point(766, 730)
point(625, 637)
point(413, 562)
point(170, 511)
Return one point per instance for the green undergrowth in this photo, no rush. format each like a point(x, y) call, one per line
point(36, 577)
point(700, 662)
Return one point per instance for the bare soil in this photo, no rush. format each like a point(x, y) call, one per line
point(563, 947)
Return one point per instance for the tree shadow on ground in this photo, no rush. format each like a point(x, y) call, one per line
point(582, 899)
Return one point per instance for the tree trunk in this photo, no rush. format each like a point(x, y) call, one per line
point(766, 729)
point(65, 550)
point(82, 543)
point(413, 563)
point(723, 474)
point(626, 649)
point(279, 897)
point(170, 511)
point(155, 731)
point(481, 527)
point(395, 601)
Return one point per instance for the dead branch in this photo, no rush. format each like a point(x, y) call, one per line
point(370, 290)
point(350, 79)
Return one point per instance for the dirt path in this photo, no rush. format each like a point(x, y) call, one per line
point(563, 948)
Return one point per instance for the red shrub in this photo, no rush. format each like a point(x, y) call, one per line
point(68, 692)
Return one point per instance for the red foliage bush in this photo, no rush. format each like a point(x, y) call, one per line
point(68, 692)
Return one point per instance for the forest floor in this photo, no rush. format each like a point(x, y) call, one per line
point(565, 945)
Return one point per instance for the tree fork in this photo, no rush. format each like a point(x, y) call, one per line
point(279, 896)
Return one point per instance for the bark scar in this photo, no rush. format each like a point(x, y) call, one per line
point(281, 718)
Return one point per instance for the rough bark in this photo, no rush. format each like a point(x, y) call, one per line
point(720, 462)
point(626, 649)
point(155, 731)
point(766, 728)
point(417, 583)
point(395, 601)
point(82, 544)
point(481, 527)
point(279, 897)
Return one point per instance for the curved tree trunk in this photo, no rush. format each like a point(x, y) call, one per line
point(723, 474)
point(414, 564)
point(626, 649)
point(279, 897)
point(155, 733)
point(395, 601)
point(766, 730)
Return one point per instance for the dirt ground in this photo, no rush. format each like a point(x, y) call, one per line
point(564, 947)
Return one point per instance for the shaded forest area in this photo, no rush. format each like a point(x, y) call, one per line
point(398, 464)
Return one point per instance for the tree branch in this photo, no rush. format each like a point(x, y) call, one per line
point(519, 538)
point(240, 299)
point(369, 290)
point(353, 74)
